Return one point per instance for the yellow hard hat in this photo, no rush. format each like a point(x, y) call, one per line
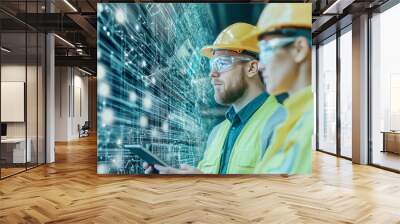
point(232, 38)
point(277, 16)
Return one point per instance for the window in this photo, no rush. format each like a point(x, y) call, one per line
point(385, 89)
point(346, 93)
point(327, 96)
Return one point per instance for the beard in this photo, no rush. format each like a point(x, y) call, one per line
point(233, 93)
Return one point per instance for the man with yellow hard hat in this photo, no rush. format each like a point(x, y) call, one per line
point(284, 34)
point(236, 145)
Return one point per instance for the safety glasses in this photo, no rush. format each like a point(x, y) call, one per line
point(225, 63)
point(268, 48)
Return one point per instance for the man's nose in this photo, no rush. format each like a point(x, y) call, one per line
point(214, 74)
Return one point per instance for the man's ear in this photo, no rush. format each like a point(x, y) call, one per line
point(252, 68)
point(301, 49)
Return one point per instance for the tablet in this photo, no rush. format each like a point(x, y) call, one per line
point(145, 155)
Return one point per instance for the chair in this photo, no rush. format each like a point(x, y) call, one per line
point(84, 130)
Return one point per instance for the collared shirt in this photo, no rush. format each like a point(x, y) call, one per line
point(238, 121)
point(282, 97)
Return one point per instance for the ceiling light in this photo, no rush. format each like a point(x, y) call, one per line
point(70, 5)
point(329, 9)
point(5, 50)
point(84, 71)
point(64, 40)
point(337, 7)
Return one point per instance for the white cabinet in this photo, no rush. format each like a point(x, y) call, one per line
point(18, 149)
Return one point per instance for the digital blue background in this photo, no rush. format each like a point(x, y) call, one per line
point(153, 85)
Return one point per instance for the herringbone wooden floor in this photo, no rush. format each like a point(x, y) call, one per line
point(69, 191)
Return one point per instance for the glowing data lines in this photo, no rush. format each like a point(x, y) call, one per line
point(119, 141)
point(143, 121)
point(99, 8)
point(147, 101)
point(154, 133)
point(104, 89)
point(144, 63)
point(153, 80)
point(107, 116)
point(165, 126)
point(132, 97)
point(117, 161)
point(120, 15)
point(101, 71)
point(146, 93)
point(102, 169)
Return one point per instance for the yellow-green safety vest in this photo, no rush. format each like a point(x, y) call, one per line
point(290, 149)
point(250, 144)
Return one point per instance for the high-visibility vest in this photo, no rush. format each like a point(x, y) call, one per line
point(290, 149)
point(249, 146)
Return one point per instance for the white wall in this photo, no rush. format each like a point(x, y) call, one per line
point(61, 103)
point(50, 93)
point(360, 90)
point(79, 117)
point(314, 88)
point(16, 73)
point(70, 83)
point(12, 73)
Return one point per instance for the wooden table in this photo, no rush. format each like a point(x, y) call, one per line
point(391, 141)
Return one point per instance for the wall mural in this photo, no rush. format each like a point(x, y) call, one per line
point(181, 90)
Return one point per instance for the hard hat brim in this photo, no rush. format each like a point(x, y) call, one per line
point(208, 51)
point(258, 33)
